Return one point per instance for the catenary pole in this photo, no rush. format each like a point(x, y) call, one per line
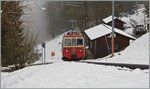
point(113, 28)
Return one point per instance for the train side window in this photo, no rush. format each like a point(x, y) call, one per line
point(79, 41)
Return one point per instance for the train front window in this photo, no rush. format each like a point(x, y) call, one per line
point(73, 42)
point(67, 42)
point(79, 42)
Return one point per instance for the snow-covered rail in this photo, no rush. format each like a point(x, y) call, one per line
point(11, 69)
point(131, 66)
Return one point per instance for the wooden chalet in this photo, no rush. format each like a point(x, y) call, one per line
point(117, 22)
point(99, 40)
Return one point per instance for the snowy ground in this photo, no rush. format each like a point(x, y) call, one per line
point(75, 75)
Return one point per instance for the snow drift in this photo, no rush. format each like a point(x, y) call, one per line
point(136, 53)
point(76, 75)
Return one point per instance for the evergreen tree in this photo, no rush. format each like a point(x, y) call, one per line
point(14, 41)
point(146, 4)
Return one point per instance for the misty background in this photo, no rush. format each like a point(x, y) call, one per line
point(49, 19)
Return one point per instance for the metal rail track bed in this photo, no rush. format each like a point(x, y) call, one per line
point(131, 66)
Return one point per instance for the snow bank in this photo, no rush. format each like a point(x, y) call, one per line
point(136, 53)
point(8, 79)
point(52, 45)
point(76, 75)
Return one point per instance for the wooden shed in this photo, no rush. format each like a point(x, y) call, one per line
point(99, 40)
point(118, 23)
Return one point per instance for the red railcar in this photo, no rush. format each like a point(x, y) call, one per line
point(73, 48)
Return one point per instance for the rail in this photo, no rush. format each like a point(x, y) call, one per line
point(131, 66)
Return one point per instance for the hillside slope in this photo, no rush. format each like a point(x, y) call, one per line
point(137, 52)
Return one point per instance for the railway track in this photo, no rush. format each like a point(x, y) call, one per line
point(11, 69)
point(131, 66)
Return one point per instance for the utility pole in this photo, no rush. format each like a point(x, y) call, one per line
point(43, 52)
point(85, 14)
point(54, 19)
point(112, 28)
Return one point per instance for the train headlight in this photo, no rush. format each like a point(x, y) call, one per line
point(67, 50)
point(80, 50)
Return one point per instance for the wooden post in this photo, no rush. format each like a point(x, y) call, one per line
point(95, 48)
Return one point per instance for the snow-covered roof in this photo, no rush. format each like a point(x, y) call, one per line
point(102, 30)
point(108, 19)
point(97, 31)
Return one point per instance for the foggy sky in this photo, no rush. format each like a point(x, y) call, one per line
point(38, 20)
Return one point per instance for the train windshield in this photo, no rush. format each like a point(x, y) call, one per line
point(73, 42)
point(67, 42)
point(79, 42)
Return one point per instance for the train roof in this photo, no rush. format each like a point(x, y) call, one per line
point(73, 34)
